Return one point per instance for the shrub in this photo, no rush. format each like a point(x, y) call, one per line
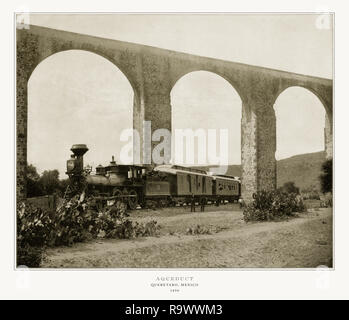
point(326, 176)
point(271, 205)
point(31, 234)
point(76, 220)
point(289, 187)
point(198, 230)
point(311, 193)
point(29, 256)
point(327, 200)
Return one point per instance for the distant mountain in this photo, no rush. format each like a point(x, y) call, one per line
point(302, 169)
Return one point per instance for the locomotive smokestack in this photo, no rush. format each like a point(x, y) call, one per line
point(112, 162)
point(79, 149)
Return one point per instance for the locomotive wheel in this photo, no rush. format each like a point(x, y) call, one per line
point(170, 202)
point(133, 201)
point(119, 201)
point(117, 192)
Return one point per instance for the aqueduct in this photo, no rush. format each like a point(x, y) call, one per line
point(152, 72)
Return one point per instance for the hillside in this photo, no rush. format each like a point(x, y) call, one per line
point(303, 169)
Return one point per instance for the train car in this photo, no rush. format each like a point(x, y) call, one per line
point(226, 187)
point(185, 182)
point(157, 191)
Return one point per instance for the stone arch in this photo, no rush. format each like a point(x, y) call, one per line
point(75, 88)
point(152, 73)
point(179, 75)
point(97, 52)
point(321, 96)
point(237, 83)
point(35, 46)
point(221, 82)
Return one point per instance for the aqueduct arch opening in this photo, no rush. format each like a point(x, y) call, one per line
point(94, 103)
point(300, 122)
point(302, 133)
point(203, 100)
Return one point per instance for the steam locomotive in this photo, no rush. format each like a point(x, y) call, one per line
point(164, 185)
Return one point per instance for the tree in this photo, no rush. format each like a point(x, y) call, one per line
point(32, 172)
point(289, 187)
point(326, 176)
point(34, 187)
point(50, 181)
point(46, 184)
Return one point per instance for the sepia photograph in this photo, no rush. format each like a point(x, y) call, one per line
point(174, 140)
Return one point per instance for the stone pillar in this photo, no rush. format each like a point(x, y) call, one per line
point(27, 58)
point(157, 116)
point(21, 131)
point(258, 146)
point(138, 118)
point(328, 138)
point(155, 102)
point(149, 114)
point(248, 153)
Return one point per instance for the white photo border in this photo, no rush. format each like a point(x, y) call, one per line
point(136, 283)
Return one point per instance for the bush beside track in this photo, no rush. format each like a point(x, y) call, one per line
point(76, 220)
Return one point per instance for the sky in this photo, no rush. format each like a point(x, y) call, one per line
point(79, 97)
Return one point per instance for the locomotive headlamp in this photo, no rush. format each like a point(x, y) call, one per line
point(70, 165)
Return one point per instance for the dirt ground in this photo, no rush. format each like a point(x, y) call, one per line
point(301, 242)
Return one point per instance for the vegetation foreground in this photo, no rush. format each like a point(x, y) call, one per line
point(224, 236)
point(81, 219)
point(225, 242)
